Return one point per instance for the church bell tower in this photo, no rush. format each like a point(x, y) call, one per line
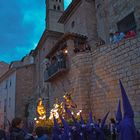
point(54, 10)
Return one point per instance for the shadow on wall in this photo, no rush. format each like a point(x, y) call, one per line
point(104, 90)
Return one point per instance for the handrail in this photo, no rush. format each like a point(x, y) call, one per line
point(54, 69)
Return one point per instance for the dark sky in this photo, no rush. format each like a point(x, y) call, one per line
point(22, 23)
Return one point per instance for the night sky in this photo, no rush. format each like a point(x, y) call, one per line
point(22, 24)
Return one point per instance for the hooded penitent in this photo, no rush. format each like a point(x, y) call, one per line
point(119, 113)
point(81, 120)
point(67, 131)
point(127, 126)
point(104, 120)
point(118, 117)
point(100, 131)
point(76, 129)
point(56, 133)
point(90, 128)
point(90, 121)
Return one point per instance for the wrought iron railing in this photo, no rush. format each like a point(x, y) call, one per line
point(54, 69)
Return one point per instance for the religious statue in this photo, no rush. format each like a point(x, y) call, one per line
point(40, 108)
point(68, 102)
point(57, 109)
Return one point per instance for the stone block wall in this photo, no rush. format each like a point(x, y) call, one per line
point(75, 80)
point(85, 24)
point(24, 90)
point(111, 63)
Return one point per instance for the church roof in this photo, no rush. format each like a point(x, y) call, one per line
point(69, 10)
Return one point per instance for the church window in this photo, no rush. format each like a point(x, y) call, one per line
point(54, 7)
point(72, 24)
point(58, 7)
point(59, 0)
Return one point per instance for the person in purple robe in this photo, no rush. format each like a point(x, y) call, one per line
point(118, 116)
point(66, 135)
point(76, 128)
point(127, 126)
point(56, 132)
point(90, 129)
point(100, 131)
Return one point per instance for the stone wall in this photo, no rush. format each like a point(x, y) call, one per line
point(111, 63)
point(24, 90)
point(41, 88)
point(85, 24)
point(75, 80)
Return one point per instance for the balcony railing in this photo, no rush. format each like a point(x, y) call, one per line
point(55, 69)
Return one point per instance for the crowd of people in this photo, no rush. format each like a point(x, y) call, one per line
point(17, 132)
point(118, 36)
point(120, 128)
point(57, 58)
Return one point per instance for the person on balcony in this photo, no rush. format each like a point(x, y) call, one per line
point(130, 34)
point(60, 58)
point(47, 62)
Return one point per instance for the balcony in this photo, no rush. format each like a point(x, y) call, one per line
point(54, 70)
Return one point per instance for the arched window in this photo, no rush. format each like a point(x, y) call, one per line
point(54, 7)
point(58, 7)
point(72, 24)
point(59, 0)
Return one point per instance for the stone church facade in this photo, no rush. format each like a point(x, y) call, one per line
point(88, 69)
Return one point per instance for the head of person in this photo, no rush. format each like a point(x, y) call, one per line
point(39, 131)
point(112, 120)
point(17, 123)
point(99, 120)
point(1, 126)
point(117, 33)
point(111, 34)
